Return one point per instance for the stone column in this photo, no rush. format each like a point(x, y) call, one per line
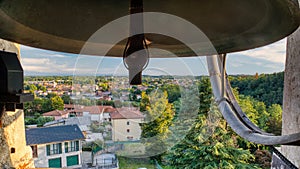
point(13, 150)
point(291, 98)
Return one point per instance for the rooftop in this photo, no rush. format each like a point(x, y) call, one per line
point(55, 113)
point(99, 109)
point(54, 134)
point(126, 113)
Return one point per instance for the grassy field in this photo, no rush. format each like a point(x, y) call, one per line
point(135, 163)
point(132, 150)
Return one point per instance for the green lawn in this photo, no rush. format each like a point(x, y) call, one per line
point(132, 150)
point(135, 163)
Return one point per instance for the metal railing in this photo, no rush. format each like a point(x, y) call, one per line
point(106, 163)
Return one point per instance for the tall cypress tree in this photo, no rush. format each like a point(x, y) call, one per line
point(209, 144)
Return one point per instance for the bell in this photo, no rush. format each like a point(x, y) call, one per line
point(230, 25)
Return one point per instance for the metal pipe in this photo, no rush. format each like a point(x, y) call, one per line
point(232, 118)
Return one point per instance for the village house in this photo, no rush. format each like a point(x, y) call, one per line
point(56, 147)
point(69, 106)
point(93, 113)
point(96, 113)
point(57, 114)
point(100, 113)
point(126, 124)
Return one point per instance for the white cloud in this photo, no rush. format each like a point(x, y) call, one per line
point(34, 61)
point(45, 65)
point(273, 53)
point(54, 55)
point(270, 58)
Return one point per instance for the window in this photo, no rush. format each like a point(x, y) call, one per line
point(71, 146)
point(128, 123)
point(34, 151)
point(12, 150)
point(53, 149)
point(128, 130)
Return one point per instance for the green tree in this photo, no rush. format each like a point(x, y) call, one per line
point(39, 121)
point(159, 116)
point(42, 120)
point(42, 88)
point(32, 88)
point(186, 112)
point(57, 103)
point(145, 102)
point(66, 99)
point(46, 105)
point(209, 147)
point(275, 119)
point(50, 95)
point(255, 110)
point(173, 92)
point(265, 88)
point(209, 144)
point(103, 86)
point(36, 106)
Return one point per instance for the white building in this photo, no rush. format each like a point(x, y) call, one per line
point(56, 147)
point(126, 124)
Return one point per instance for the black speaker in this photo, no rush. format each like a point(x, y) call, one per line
point(11, 82)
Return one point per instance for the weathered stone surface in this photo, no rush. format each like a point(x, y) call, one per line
point(14, 132)
point(291, 98)
point(4, 150)
point(13, 150)
point(9, 47)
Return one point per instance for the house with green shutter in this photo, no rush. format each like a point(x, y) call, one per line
point(56, 147)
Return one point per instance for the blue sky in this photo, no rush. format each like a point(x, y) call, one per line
point(266, 59)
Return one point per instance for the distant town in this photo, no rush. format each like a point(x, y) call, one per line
point(94, 122)
point(106, 110)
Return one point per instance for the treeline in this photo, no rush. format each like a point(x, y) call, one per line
point(267, 88)
point(34, 110)
point(48, 78)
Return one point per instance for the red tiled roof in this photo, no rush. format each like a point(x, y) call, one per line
point(55, 113)
point(126, 113)
point(69, 106)
point(90, 109)
point(99, 109)
point(73, 106)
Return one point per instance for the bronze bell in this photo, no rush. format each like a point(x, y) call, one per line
point(231, 25)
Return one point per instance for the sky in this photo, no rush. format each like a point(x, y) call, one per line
point(267, 59)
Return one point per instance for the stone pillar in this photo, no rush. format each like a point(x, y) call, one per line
point(13, 150)
point(291, 98)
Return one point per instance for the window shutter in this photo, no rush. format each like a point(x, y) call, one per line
point(60, 151)
point(77, 145)
point(66, 147)
point(48, 150)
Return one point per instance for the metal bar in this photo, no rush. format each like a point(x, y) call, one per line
point(236, 107)
point(283, 158)
point(233, 119)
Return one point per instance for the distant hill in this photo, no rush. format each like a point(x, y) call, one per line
point(267, 88)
